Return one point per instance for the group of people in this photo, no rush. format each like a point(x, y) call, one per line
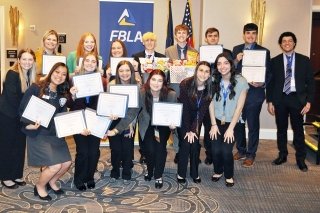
point(217, 96)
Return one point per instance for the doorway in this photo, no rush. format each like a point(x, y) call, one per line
point(315, 61)
point(2, 48)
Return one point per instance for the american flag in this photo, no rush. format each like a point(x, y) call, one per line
point(188, 22)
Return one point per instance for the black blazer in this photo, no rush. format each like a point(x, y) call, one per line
point(142, 54)
point(254, 93)
point(303, 75)
point(11, 95)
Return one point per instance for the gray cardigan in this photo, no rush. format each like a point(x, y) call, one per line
point(144, 117)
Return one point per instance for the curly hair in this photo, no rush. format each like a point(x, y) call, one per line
point(217, 78)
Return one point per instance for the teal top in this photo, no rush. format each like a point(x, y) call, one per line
point(231, 105)
point(72, 61)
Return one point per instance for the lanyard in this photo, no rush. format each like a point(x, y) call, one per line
point(198, 110)
point(225, 93)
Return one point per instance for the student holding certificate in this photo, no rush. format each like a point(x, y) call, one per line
point(87, 145)
point(229, 94)
point(12, 141)
point(87, 44)
point(45, 149)
point(255, 98)
point(154, 137)
point(49, 47)
point(195, 94)
point(121, 133)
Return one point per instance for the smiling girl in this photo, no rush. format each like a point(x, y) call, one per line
point(45, 149)
point(12, 141)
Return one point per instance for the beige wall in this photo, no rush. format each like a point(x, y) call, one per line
point(228, 16)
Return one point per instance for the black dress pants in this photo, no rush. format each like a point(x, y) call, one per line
point(290, 107)
point(187, 150)
point(86, 159)
point(121, 154)
point(156, 151)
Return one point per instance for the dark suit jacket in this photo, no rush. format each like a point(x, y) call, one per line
point(303, 75)
point(142, 54)
point(254, 94)
point(11, 95)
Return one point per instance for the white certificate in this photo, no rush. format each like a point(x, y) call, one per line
point(112, 104)
point(254, 74)
point(178, 73)
point(254, 58)
point(38, 110)
point(98, 125)
point(69, 123)
point(131, 90)
point(115, 61)
point(88, 84)
point(209, 53)
point(166, 114)
point(49, 60)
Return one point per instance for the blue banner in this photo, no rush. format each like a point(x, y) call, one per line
point(125, 20)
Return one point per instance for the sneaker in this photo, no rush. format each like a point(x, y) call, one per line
point(238, 156)
point(247, 163)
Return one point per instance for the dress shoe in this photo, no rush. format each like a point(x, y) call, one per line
point(229, 183)
point(176, 158)
point(280, 160)
point(181, 179)
point(302, 166)
point(238, 156)
point(57, 192)
point(91, 184)
point(142, 159)
point(81, 187)
point(35, 192)
point(216, 177)
point(159, 183)
point(14, 186)
point(197, 180)
point(208, 161)
point(20, 182)
point(247, 163)
point(147, 177)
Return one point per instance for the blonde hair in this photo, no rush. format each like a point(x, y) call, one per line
point(149, 35)
point(80, 49)
point(23, 76)
point(47, 34)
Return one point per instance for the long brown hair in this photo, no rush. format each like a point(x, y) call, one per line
point(23, 76)
point(62, 89)
point(163, 92)
point(132, 78)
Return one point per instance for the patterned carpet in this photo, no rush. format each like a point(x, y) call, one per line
point(263, 188)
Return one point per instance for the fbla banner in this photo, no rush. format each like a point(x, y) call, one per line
point(126, 20)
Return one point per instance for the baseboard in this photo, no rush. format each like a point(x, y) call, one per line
point(271, 134)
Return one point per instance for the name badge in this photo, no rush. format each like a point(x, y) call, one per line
point(46, 97)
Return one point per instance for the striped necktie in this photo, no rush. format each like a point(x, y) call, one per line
point(287, 80)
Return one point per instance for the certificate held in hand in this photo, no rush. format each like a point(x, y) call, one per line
point(112, 104)
point(131, 90)
point(49, 60)
point(69, 123)
point(88, 84)
point(38, 110)
point(166, 114)
point(97, 125)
